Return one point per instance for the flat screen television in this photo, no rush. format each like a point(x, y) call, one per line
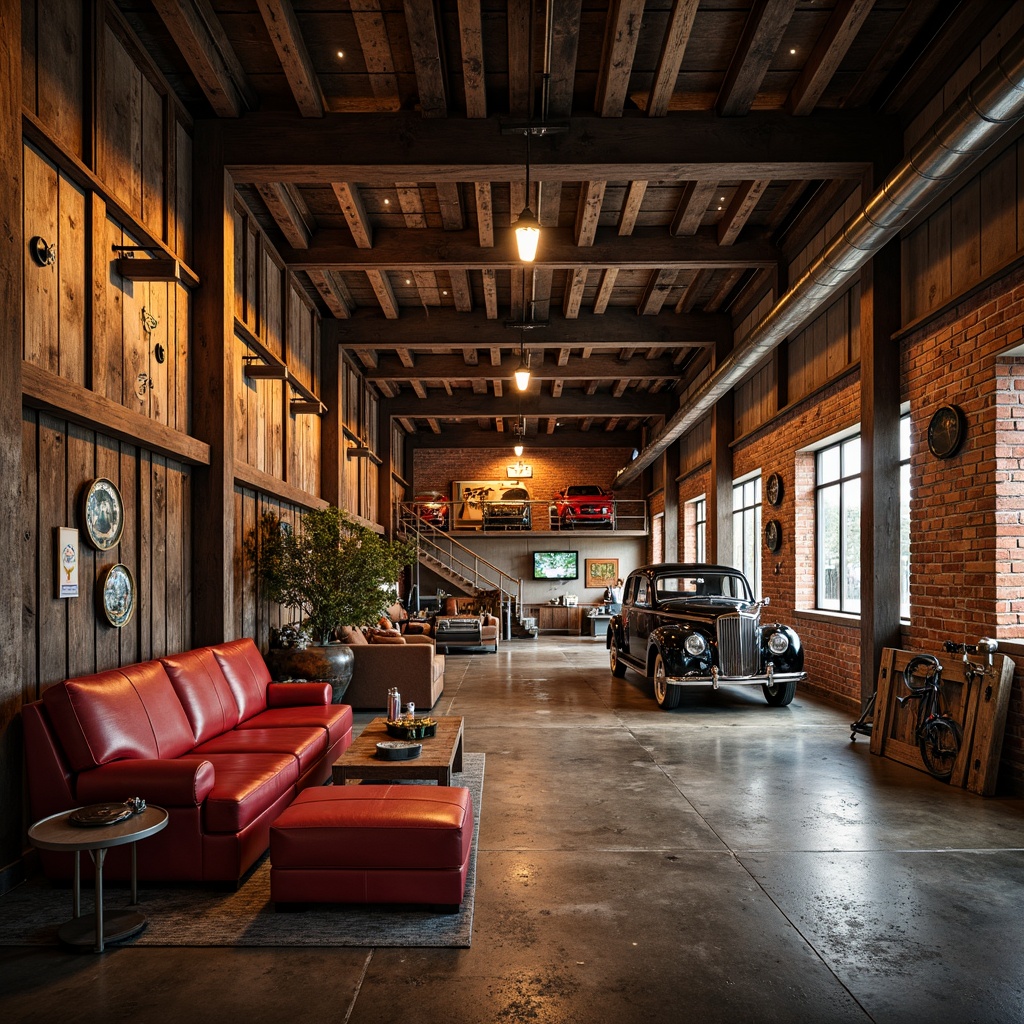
point(556, 565)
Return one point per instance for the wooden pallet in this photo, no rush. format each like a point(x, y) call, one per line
point(978, 703)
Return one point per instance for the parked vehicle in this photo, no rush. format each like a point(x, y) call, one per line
point(584, 505)
point(696, 625)
point(433, 508)
point(509, 511)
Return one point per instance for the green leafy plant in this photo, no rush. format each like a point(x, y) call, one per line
point(336, 571)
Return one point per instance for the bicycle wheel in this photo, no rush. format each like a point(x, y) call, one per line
point(940, 743)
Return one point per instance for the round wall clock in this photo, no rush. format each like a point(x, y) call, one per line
point(946, 431)
point(773, 489)
point(103, 513)
point(773, 535)
point(118, 595)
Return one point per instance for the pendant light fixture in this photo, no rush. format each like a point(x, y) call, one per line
point(527, 227)
point(522, 371)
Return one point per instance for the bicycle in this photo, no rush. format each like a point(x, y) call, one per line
point(938, 735)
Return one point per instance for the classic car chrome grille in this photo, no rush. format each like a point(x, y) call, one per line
point(737, 644)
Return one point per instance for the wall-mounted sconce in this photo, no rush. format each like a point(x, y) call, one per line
point(149, 322)
point(42, 252)
point(265, 371)
point(156, 268)
point(143, 383)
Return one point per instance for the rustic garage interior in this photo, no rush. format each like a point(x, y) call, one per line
point(258, 255)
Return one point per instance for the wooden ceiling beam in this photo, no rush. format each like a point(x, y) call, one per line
point(351, 203)
point(725, 288)
point(622, 33)
point(520, 88)
point(693, 204)
point(742, 205)
point(658, 287)
point(286, 35)
point(588, 213)
point(199, 35)
point(766, 25)
point(333, 292)
point(375, 47)
point(381, 286)
point(560, 70)
point(568, 435)
point(831, 47)
point(471, 38)
point(645, 249)
point(286, 206)
point(685, 146)
point(450, 204)
point(605, 367)
point(576, 281)
point(605, 289)
point(677, 35)
point(462, 291)
point(427, 58)
point(532, 403)
point(490, 285)
point(613, 329)
point(484, 214)
point(631, 206)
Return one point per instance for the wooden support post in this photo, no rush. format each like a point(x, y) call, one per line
point(12, 688)
point(331, 437)
point(880, 462)
point(213, 503)
point(385, 473)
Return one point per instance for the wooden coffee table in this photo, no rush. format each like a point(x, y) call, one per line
point(442, 755)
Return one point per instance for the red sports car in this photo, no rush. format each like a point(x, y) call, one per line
point(433, 508)
point(585, 505)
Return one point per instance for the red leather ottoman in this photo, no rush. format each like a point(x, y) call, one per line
point(373, 844)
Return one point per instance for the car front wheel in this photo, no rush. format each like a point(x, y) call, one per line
point(618, 667)
point(667, 696)
point(779, 694)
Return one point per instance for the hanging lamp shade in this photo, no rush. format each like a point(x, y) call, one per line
point(522, 371)
point(527, 235)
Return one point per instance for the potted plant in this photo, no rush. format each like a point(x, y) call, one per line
point(336, 572)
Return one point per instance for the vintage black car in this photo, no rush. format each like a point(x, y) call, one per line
point(698, 625)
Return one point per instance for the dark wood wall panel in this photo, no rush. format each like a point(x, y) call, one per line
point(70, 636)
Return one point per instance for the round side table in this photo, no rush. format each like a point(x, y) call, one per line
point(57, 833)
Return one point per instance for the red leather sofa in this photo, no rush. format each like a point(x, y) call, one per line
point(204, 734)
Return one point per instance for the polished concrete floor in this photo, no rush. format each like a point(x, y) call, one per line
point(726, 861)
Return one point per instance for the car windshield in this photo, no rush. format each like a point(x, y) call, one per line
point(582, 491)
point(710, 585)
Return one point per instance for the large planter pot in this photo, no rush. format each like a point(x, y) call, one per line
point(333, 663)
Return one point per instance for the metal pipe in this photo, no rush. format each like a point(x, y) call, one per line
point(975, 120)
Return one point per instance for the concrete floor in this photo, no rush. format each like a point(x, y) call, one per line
point(726, 861)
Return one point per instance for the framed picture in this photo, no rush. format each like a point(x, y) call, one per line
point(467, 499)
point(519, 471)
point(67, 561)
point(102, 513)
point(600, 572)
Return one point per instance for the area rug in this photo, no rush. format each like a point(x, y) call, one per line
point(182, 915)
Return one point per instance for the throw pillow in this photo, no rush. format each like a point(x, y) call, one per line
point(352, 635)
point(379, 636)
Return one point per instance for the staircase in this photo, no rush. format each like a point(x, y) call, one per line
point(465, 569)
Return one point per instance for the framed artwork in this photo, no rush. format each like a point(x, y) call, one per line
point(467, 498)
point(118, 595)
point(102, 513)
point(67, 561)
point(600, 572)
point(519, 471)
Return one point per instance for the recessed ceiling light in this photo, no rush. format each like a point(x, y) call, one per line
point(387, 202)
point(408, 281)
point(444, 291)
point(793, 51)
point(341, 55)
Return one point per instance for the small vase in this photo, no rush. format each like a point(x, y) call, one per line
point(333, 663)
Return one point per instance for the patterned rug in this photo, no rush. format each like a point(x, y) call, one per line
point(182, 915)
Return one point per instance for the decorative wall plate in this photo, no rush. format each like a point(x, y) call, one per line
point(773, 535)
point(103, 513)
point(946, 431)
point(118, 595)
point(773, 489)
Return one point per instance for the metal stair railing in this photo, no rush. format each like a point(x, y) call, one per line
point(470, 569)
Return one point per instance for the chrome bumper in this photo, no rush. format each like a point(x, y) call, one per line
point(716, 679)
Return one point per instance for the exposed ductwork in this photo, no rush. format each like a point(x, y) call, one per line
point(976, 119)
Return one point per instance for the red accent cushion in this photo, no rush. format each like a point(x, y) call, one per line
point(245, 786)
point(131, 712)
point(203, 691)
point(247, 675)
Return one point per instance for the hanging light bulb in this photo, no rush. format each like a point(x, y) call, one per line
point(522, 373)
point(518, 447)
point(527, 235)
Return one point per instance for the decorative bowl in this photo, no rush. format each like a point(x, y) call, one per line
point(398, 750)
point(417, 729)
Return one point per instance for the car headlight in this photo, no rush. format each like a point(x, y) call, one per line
point(695, 645)
point(778, 643)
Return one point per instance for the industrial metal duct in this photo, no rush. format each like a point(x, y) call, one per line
point(976, 119)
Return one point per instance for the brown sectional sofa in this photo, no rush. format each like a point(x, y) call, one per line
point(204, 734)
point(415, 668)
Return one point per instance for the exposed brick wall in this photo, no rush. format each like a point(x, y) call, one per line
point(553, 468)
point(692, 486)
point(967, 512)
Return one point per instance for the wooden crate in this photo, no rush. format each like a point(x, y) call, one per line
point(978, 703)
